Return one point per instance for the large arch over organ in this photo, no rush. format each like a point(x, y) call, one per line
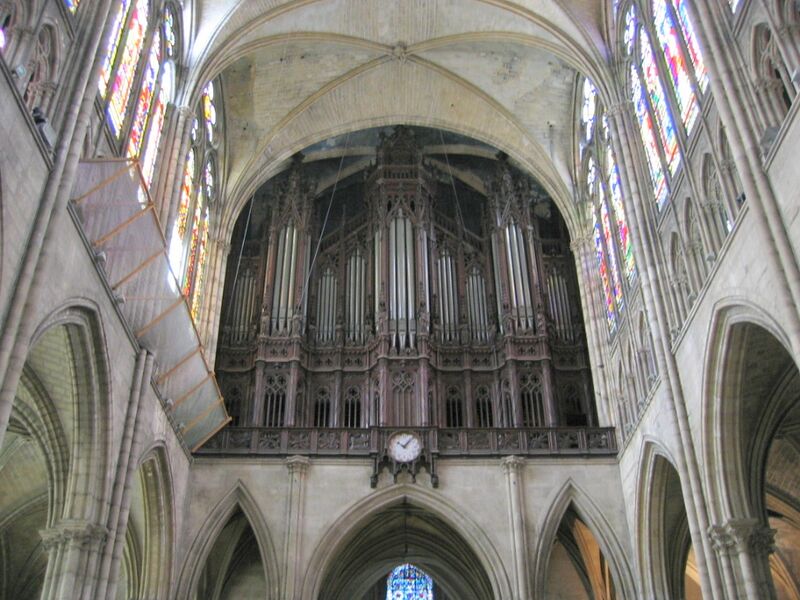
point(403, 276)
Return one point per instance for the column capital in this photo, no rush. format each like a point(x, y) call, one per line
point(187, 112)
point(580, 242)
point(512, 464)
point(297, 464)
point(618, 108)
point(74, 531)
point(743, 535)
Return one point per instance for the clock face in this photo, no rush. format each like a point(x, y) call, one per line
point(404, 447)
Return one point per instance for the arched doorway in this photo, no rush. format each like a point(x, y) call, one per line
point(757, 454)
point(399, 535)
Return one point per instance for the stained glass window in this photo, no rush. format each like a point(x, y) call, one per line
point(602, 268)
point(648, 135)
point(734, 4)
point(126, 70)
point(157, 125)
point(170, 38)
point(209, 111)
point(111, 52)
point(618, 207)
point(668, 37)
point(145, 101)
point(407, 582)
point(611, 252)
point(3, 39)
point(72, 5)
point(664, 123)
point(691, 42)
point(208, 179)
point(187, 188)
point(589, 108)
point(591, 174)
point(630, 30)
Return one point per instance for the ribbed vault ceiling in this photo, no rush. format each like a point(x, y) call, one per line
point(297, 73)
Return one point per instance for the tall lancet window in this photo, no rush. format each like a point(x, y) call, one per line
point(121, 84)
point(665, 86)
point(156, 91)
point(188, 249)
point(613, 246)
point(407, 582)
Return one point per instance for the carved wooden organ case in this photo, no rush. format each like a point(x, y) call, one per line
point(399, 315)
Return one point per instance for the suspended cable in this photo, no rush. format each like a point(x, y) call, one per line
point(325, 221)
point(239, 261)
point(452, 181)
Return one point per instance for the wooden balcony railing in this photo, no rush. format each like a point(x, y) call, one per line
point(309, 441)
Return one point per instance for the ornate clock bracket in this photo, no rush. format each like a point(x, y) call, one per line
point(385, 459)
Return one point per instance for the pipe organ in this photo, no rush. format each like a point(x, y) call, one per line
point(404, 308)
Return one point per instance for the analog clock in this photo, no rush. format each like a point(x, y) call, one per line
point(404, 447)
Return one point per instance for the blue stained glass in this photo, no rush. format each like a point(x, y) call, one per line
point(407, 582)
point(630, 29)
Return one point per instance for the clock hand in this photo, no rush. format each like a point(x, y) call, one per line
point(407, 443)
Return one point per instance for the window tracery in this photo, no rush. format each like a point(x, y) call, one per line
point(42, 69)
point(665, 95)
point(407, 582)
point(351, 410)
point(125, 71)
point(191, 230)
point(603, 189)
point(10, 15)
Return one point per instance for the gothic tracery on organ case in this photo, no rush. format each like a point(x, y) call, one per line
point(410, 307)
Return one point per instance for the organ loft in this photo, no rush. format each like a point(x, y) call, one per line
point(399, 296)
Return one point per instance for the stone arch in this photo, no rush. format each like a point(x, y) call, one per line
point(664, 546)
point(155, 491)
point(571, 498)
point(71, 344)
point(751, 387)
point(771, 73)
point(347, 526)
point(55, 449)
point(728, 490)
point(239, 499)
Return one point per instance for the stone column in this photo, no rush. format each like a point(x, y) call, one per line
point(595, 323)
point(732, 93)
point(295, 505)
point(513, 467)
point(624, 140)
point(168, 182)
point(18, 325)
point(744, 546)
point(71, 545)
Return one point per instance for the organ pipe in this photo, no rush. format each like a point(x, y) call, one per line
point(355, 297)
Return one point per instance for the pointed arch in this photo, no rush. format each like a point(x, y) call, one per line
point(77, 328)
point(239, 498)
point(656, 549)
point(571, 496)
point(155, 477)
point(729, 492)
point(348, 523)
